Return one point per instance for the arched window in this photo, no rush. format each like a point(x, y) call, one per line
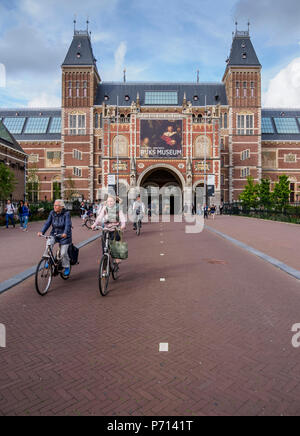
point(225, 121)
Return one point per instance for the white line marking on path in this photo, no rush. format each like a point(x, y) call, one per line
point(163, 347)
point(162, 254)
point(162, 280)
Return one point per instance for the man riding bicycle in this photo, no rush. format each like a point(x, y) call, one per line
point(60, 220)
point(138, 210)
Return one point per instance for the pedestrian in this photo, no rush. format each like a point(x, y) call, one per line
point(213, 211)
point(206, 211)
point(26, 213)
point(9, 213)
point(20, 213)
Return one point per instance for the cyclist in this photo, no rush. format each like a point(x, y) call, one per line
point(112, 217)
point(138, 210)
point(60, 220)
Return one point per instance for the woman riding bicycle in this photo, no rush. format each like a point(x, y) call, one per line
point(113, 218)
point(60, 220)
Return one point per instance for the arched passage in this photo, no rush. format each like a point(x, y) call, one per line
point(164, 185)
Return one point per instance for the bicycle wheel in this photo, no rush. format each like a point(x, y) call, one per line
point(89, 222)
point(43, 276)
point(115, 270)
point(103, 278)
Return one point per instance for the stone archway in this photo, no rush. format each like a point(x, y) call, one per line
point(169, 184)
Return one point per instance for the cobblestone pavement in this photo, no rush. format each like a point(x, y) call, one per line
point(226, 315)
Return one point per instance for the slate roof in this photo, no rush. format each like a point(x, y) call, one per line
point(80, 51)
point(242, 51)
point(215, 92)
point(30, 113)
point(281, 113)
point(7, 139)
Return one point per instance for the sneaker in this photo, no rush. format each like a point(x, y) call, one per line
point(67, 272)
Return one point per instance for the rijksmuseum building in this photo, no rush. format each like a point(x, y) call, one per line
point(157, 134)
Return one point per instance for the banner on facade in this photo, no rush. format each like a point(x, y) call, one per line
point(161, 139)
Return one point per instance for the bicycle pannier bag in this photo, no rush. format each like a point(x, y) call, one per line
point(119, 249)
point(73, 253)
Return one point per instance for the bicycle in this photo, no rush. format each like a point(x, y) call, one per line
point(108, 266)
point(88, 220)
point(48, 268)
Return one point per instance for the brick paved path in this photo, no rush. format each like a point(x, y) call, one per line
point(226, 315)
point(279, 240)
point(20, 250)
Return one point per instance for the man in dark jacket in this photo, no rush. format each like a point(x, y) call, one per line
point(60, 220)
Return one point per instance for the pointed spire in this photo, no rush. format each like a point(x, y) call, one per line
point(124, 77)
point(74, 22)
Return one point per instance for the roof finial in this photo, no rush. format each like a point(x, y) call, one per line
point(236, 25)
point(87, 25)
point(124, 75)
point(198, 77)
point(74, 21)
point(249, 27)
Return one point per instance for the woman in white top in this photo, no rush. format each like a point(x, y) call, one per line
point(9, 211)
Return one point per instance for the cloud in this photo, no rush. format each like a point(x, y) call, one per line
point(276, 20)
point(120, 57)
point(44, 100)
point(284, 88)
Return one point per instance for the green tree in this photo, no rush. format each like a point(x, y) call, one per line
point(7, 182)
point(265, 194)
point(249, 197)
point(281, 193)
point(32, 186)
point(70, 190)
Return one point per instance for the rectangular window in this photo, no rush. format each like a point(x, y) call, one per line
point(100, 144)
point(286, 125)
point(70, 88)
point(245, 154)
point(245, 89)
point(36, 125)
point(77, 154)
point(266, 125)
point(14, 125)
point(77, 125)
point(252, 89)
point(161, 97)
point(245, 172)
point(77, 172)
point(222, 144)
point(237, 86)
point(99, 179)
point(100, 161)
point(85, 88)
point(55, 126)
point(245, 124)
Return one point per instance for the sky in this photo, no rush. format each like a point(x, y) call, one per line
point(157, 40)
